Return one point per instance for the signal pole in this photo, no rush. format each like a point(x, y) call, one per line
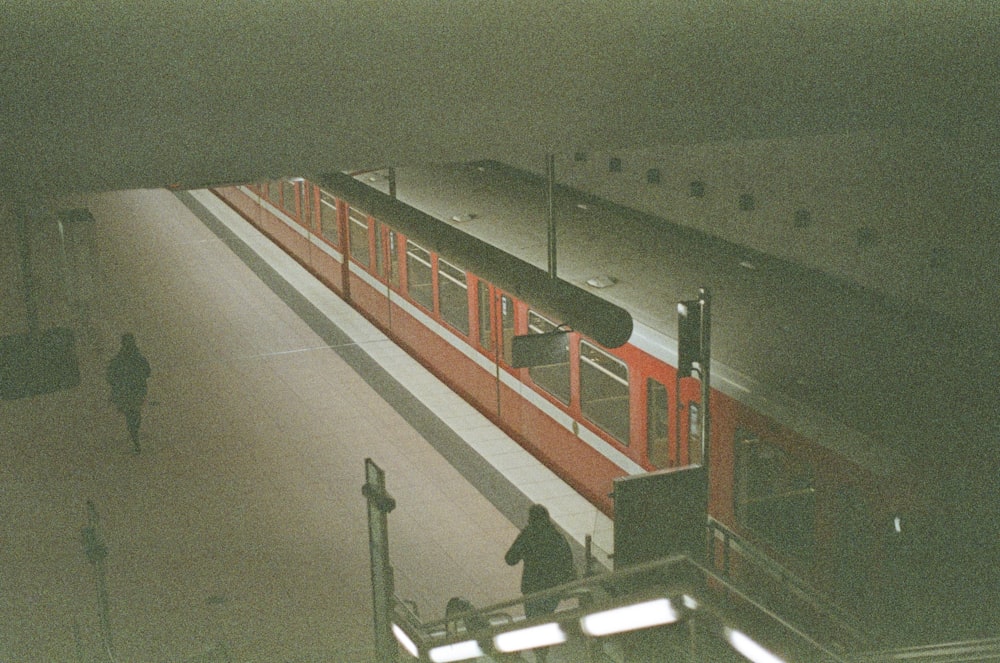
point(694, 326)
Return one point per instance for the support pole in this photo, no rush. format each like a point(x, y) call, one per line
point(704, 298)
point(694, 352)
point(380, 503)
point(96, 552)
point(550, 172)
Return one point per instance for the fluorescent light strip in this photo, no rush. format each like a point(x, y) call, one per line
point(749, 648)
point(459, 651)
point(405, 640)
point(629, 618)
point(532, 637)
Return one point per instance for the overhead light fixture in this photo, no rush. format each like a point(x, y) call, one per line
point(601, 281)
point(458, 651)
point(749, 647)
point(405, 640)
point(533, 637)
point(629, 618)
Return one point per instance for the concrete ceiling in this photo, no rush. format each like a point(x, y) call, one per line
point(129, 93)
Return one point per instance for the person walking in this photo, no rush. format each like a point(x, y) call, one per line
point(548, 561)
point(127, 375)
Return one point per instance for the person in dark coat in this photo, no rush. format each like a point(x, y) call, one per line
point(127, 375)
point(548, 560)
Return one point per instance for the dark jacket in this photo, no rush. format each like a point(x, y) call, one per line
point(127, 375)
point(548, 560)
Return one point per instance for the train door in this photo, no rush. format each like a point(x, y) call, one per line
point(307, 208)
point(495, 328)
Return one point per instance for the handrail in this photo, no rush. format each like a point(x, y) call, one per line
point(677, 576)
point(987, 649)
point(790, 581)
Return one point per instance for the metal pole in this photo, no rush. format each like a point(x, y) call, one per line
point(704, 299)
point(676, 456)
point(96, 552)
point(380, 503)
point(550, 171)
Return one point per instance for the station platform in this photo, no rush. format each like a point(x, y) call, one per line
point(238, 533)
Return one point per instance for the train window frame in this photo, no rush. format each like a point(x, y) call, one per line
point(453, 295)
point(421, 293)
point(484, 315)
point(695, 422)
point(307, 207)
point(554, 379)
point(272, 191)
point(378, 249)
point(290, 190)
point(602, 389)
point(329, 225)
point(657, 421)
point(392, 240)
point(359, 249)
point(775, 503)
point(508, 326)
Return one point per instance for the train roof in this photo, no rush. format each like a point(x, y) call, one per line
point(905, 382)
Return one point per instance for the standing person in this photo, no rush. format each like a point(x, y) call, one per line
point(127, 375)
point(548, 560)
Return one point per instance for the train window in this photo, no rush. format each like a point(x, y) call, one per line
point(308, 194)
point(379, 258)
point(453, 296)
point(694, 434)
point(506, 326)
point(774, 494)
point(358, 235)
point(272, 191)
point(604, 391)
point(393, 258)
point(657, 431)
point(328, 218)
point(553, 378)
point(288, 196)
point(419, 283)
point(483, 311)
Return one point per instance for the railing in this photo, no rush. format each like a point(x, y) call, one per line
point(949, 652)
point(812, 609)
point(672, 608)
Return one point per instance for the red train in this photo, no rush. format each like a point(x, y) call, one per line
point(820, 416)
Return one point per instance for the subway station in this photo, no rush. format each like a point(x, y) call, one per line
point(739, 342)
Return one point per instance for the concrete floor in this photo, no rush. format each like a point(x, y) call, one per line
point(239, 533)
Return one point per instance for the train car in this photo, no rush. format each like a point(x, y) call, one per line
point(834, 411)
